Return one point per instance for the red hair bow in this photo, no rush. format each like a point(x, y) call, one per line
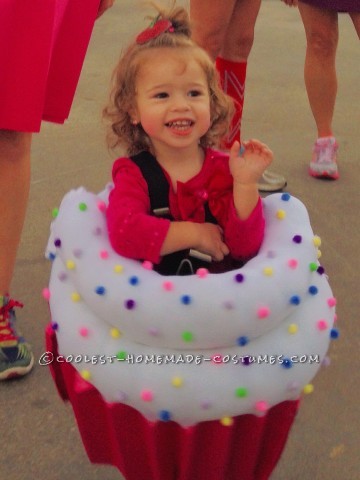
point(159, 27)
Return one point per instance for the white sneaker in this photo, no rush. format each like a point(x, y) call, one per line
point(323, 163)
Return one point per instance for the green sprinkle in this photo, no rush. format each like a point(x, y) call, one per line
point(121, 355)
point(55, 212)
point(82, 206)
point(187, 336)
point(241, 392)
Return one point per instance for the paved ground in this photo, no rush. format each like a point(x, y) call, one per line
point(39, 438)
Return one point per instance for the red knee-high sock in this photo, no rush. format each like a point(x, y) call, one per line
point(232, 76)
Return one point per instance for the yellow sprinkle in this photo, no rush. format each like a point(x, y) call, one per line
point(118, 268)
point(268, 271)
point(319, 253)
point(177, 382)
point(317, 241)
point(226, 421)
point(75, 297)
point(86, 375)
point(293, 328)
point(281, 214)
point(115, 333)
point(70, 264)
point(309, 388)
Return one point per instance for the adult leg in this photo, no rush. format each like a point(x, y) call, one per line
point(321, 29)
point(355, 17)
point(15, 356)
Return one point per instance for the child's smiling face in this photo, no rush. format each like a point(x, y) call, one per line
point(172, 99)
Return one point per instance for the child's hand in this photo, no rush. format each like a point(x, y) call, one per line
point(249, 167)
point(211, 241)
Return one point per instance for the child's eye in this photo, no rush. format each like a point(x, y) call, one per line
point(161, 95)
point(194, 93)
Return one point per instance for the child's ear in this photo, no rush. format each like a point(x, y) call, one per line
point(134, 116)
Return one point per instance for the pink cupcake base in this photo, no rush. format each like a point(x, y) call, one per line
point(119, 435)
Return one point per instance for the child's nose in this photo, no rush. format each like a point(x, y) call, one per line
point(180, 103)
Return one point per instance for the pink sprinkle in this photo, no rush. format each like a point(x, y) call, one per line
point(322, 325)
point(46, 293)
point(84, 332)
point(293, 263)
point(104, 254)
point(101, 206)
point(147, 265)
point(202, 272)
point(168, 286)
point(331, 301)
point(261, 406)
point(147, 395)
point(263, 312)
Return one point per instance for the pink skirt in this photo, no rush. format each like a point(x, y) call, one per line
point(118, 435)
point(43, 48)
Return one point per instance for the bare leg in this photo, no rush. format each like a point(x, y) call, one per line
point(321, 28)
point(239, 37)
point(14, 187)
point(210, 21)
point(355, 17)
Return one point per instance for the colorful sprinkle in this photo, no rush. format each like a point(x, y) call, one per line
point(75, 297)
point(118, 268)
point(134, 280)
point(322, 325)
point(285, 197)
point(100, 290)
point(115, 333)
point(227, 421)
point(147, 265)
point(242, 341)
point(55, 212)
point(293, 328)
point(147, 395)
point(280, 214)
point(186, 299)
point(309, 388)
point(51, 256)
point(313, 290)
point(331, 302)
point(70, 264)
point(293, 263)
point(313, 267)
point(334, 333)
point(130, 304)
point(261, 406)
point(84, 331)
point(101, 206)
point(241, 392)
point(164, 415)
point(86, 375)
point(177, 382)
point(297, 239)
point(320, 270)
point(57, 243)
point(46, 293)
point(103, 254)
point(202, 272)
point(268, 271)
point(54, 326)
point(82, 207)
point(317, 241)
point(263, 312)
point(168, 286)
point(122, 355)
point(187, 336)
point(295, 300)
point(239, 278)
point(287, 363)
point(62, 276)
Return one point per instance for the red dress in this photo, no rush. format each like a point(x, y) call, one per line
point(119, 435)
point(44, 47)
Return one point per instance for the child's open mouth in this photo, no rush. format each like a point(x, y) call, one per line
point(180, 125)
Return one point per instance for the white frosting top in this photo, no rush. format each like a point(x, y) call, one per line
point(190, 348)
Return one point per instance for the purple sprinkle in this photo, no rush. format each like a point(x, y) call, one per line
point(57, 242)
point(320, 270)
point(62, 276)
point(246, 361)
point(130, 304)
point(297, 238)
point(239, 278)
point(54, 326)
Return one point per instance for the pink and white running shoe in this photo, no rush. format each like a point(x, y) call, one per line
point(323, 163)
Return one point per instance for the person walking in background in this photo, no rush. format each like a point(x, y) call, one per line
point(39, 69)
point(225, 29)
point(320, 19)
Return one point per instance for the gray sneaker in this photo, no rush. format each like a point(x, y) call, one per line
point(271, 182)
point(16, 358)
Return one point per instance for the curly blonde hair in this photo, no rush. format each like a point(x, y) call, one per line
point(132, 137)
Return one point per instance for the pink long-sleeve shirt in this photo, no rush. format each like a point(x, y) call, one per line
point(135, 233)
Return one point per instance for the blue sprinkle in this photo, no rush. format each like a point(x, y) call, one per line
point(51, 256)
point(164, 415)
point(285, 197)
point(313, 290)
point(287, 363)
point(334, 333)
point(134, 280)
point(186, 299)
point(295, 300)
point(100, 290)
point(242, 341)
